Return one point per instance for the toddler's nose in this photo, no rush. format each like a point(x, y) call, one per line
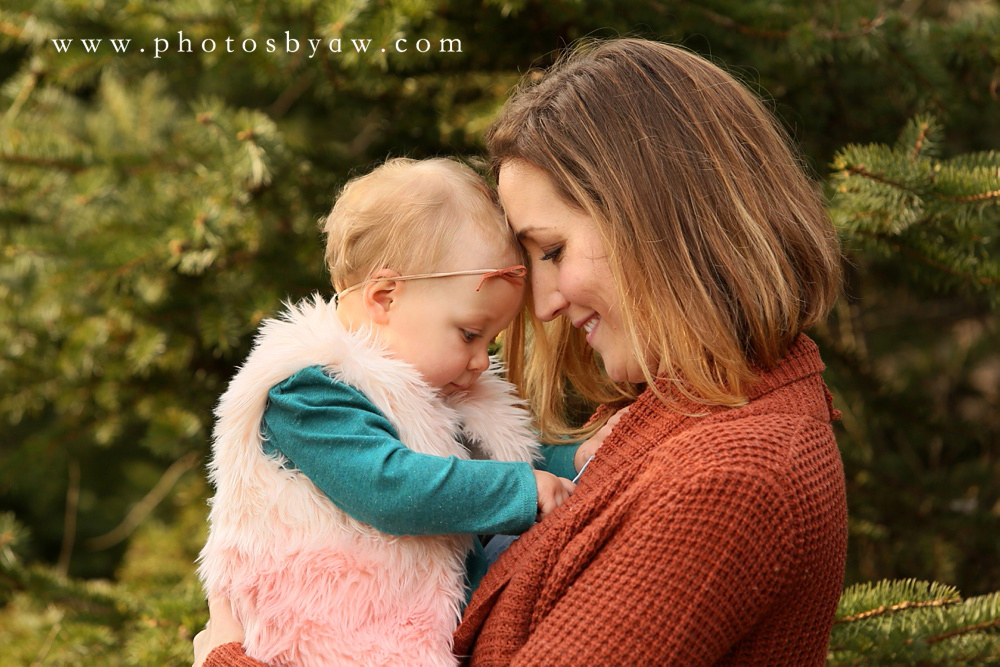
point(479, 361)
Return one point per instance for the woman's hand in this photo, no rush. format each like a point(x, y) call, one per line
point(222, 628)
point(592, 444)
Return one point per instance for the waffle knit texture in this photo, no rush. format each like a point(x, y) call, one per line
point(230, 655)
point(717, 539)
point(697, 536)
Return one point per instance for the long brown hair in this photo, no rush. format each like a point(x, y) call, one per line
point(718, 241)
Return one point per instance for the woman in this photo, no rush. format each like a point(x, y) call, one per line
point(677, 254)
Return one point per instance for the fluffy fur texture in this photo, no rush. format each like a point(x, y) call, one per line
point(312, 585)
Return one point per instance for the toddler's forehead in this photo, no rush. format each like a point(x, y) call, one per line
point(475, 248)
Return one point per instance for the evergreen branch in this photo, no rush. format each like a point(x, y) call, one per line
point(982, 196)
point(10, 29)
point(75, 168)
point(925, 84)
point(868, 25)
point(42, 163)
point(727, 22)
point(296, 88)
point(127, 267)
point(149, 502)
point(985, 625)
point(22, 97)
point(288, 97)
point(919, 143)
point(216, 20)
point(924, 259)
point(902, 606)
point(47, 585)
point(69, 523)
point(862, 171)
point(43, 652)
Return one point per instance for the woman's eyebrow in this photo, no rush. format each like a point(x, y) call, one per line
point(527, 231)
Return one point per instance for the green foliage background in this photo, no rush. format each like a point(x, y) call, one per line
point(154, 210)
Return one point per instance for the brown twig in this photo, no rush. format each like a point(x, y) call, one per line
point(861, 170)
point(10, 29)
point(293, 92)
point(921, 137)
point(69, 522)
point(961, 631)
point(149, 502)
point(906, 604)
point(43, 652)
point(924, 259)
point(71, 167)
point(868, 25)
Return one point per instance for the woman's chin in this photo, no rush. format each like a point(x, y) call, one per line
point(623, 370)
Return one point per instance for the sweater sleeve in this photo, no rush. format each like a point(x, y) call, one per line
point(231, 655)
point(337, 437)
point(689, 571)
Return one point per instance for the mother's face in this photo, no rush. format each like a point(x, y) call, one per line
point(570, 274)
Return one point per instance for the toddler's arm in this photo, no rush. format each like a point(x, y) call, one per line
point(351, 452)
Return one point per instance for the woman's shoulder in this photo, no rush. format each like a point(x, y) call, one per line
point(775, 443)
point(793, 460)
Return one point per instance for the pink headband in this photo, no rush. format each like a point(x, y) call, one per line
point(512, 274)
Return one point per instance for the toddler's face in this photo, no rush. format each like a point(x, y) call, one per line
point(443, 326)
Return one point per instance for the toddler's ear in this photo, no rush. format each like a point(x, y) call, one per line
point(379, 295)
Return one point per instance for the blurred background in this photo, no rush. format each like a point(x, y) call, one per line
point(163, 168)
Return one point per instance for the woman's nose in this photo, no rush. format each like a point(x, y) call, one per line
point(548, 301)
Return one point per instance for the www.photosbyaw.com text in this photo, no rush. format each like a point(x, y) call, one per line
point(286, 44)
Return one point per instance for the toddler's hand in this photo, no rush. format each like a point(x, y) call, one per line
point(552, 491)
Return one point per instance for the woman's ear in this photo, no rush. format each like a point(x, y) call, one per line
point(378, 295)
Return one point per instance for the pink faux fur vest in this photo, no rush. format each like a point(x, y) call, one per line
point(312, 586)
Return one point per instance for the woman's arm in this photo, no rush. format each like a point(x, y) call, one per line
point(229, 655)
point(220, 643)
point(685, 575)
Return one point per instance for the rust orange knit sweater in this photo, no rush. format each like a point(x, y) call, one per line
point(716, 537)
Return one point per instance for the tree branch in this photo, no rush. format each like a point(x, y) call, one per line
point(906, 604)
point(142, 508)
point(69, 522)
point(962, 631)
point(924, 259)
point(862, 171)
point(868, 25)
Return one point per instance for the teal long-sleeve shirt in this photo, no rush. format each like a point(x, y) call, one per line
point(337, 437)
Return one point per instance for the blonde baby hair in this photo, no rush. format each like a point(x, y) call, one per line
point(402, 216)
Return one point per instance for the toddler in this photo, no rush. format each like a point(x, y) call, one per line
point(366, 442)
